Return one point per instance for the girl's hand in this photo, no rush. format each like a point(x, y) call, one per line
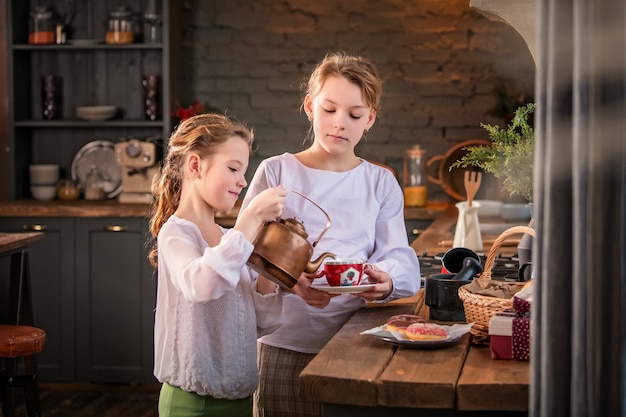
point(264, 207)
point(383, 287)
point(314, 298)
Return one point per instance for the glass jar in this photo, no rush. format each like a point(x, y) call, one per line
point(42, 26)
point(121, 26)
point(94, 184)
point(67, 190)
point(415, 192)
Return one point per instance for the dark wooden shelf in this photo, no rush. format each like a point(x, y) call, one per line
point(86, 47)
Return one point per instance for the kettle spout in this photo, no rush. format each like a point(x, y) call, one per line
point(314, 265)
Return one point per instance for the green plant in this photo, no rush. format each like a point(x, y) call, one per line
point(510, 158)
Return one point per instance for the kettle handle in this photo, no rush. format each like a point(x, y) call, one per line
point(318, 206)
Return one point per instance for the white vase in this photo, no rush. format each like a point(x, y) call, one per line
point(467, 230)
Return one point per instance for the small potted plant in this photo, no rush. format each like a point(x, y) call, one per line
point(510, 159)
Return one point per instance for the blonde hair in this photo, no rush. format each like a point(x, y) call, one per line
point(356, 69)
point(200, 134)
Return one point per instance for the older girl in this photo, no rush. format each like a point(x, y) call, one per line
point(366, 207)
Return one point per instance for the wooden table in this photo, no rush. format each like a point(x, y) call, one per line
point(15, 245)
point(360, 374)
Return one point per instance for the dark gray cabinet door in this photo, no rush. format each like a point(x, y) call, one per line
point(51, 262)
point(115, 300)
point(415, 227)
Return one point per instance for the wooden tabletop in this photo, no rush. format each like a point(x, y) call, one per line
point(356, 370)
point(361, 370)
point(11, 241)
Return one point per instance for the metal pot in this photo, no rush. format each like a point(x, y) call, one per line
point(282, 252)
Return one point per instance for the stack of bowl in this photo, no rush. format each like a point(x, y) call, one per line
point(43, 181)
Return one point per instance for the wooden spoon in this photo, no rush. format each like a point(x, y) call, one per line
point(472, 183)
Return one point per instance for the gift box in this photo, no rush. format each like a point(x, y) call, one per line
point(509, 331)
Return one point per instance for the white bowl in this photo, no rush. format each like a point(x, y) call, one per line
point(95, 112)
point(489, 208)
point(43, 192)
point(512, 211)
point(44, 174)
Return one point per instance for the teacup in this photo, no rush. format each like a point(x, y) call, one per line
point(344, 273)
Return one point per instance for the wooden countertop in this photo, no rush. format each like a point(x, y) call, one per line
point(113, 208)
point(76, 208)
point(361, 371)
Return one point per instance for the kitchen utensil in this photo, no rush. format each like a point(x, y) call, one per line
point(471, 268)
point(453, 260)
point(100, 153)
point(282, 252)
point(441, 295)
point(451, 180)
point(472, 180)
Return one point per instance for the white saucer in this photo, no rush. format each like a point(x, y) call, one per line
point(348, 289)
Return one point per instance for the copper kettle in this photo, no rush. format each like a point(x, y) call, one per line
point(282, 252)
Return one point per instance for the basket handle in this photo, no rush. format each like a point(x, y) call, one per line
point(495, 248)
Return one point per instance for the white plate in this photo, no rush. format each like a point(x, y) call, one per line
point(421, 344)
point(347, 289)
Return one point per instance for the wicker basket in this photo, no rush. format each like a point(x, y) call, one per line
point(480, 308)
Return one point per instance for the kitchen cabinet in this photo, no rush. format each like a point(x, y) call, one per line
point(93, 73)
point(415, 227)
point(115, 300)
point(94, 294)
point(52, 282)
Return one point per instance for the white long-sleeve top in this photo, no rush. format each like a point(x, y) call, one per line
point(208, 312)
point(366, 208)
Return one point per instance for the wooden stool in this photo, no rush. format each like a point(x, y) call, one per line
point(20, 342)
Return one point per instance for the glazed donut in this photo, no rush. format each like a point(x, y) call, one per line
point(425, 331)
point(400, 322)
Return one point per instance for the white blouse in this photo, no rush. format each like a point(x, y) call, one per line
point(208, 313)
point(366, 209)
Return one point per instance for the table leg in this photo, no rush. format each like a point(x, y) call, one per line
point(20, 299)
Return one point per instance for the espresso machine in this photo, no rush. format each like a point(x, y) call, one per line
point(139, 162)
